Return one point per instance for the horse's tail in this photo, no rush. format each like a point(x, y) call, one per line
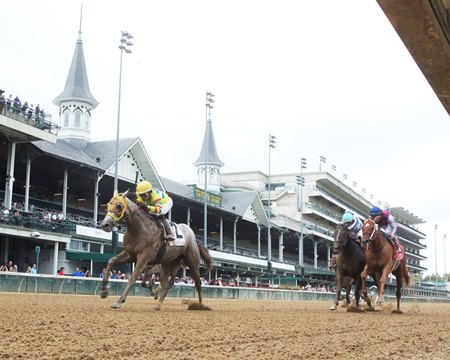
point(204, 254)
point(406, 277)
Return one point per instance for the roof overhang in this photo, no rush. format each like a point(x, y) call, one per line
point(424, 28)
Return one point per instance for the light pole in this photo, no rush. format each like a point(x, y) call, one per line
point(269, 235)
point(301, 183)
point(445, 263)
point(208, 104)
point(323, 160)
point(124, 46)
point(435, 250)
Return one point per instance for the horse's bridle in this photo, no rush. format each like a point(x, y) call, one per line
point(117, 208)
point(375, 228)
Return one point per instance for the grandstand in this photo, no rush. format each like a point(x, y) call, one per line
point(58, 168)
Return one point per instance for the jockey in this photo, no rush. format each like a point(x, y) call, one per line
point(353, 224)
point(387, 223)
point(157, 203)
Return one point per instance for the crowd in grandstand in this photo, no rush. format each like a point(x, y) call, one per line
point(13, 105)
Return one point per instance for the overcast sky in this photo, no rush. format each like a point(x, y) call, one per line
point(327, 78)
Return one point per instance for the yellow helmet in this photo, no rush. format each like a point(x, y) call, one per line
point(143, 187)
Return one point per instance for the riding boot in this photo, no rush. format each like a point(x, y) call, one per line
point(169, 234)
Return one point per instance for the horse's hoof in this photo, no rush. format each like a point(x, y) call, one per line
point(104, 294)
point(333, 307)
point(158, 307)
point(116, 305)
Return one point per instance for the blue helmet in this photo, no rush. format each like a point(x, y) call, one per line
point(375, 211)
point(347, 217)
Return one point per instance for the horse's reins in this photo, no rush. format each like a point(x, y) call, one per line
point(121, 214)
point(114, 214)
point(375, 228)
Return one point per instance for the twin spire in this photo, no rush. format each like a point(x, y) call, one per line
point(76, 102)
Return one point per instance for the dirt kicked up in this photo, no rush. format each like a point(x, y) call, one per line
point(85, 327)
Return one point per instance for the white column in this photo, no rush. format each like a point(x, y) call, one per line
point(188, 217)
point(55, 258)
point(235, 234)
point(27, 184)
point(96, 199)
point(259, 240)
point(221, 234)
point(280, 247)
point(64, 209)
point(10, 173)
point(315, 254)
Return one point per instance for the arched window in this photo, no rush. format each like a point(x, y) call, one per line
point(77, 118)
point(66, 117)
point(87, 119)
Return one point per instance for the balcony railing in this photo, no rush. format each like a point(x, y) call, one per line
point(41, 120)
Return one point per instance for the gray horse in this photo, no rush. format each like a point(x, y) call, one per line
point(143, 244)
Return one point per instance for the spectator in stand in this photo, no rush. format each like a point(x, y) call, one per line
point(24, 108)
point(28, 270)
point(3, 267)
point(9, 101)
point(60, 217)
point(17, 104)
point(2, 101)
point(78, 272)
point(30, 113)
point(61, 270)
point(87, 273)
point(34, 269)
point(37, 113)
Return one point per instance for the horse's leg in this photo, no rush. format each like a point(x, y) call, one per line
point(168, 272)
point(398, 293)
point(146, 277)
point(348, 289)
point(192, 260)
point(382, 283)
point(138, 268)
point(364, 275)
point(357, 290)
point(338, 280)
point(121, 258)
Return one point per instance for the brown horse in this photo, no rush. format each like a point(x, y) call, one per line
point(350, 262)
point(380, 262)
point(143, 244)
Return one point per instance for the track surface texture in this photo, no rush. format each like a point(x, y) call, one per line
point(37, 326)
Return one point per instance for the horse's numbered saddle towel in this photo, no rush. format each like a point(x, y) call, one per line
point(179, 238)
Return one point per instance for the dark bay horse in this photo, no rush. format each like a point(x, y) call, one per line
point(380, 262)
point(143, 244)
point(350, 262)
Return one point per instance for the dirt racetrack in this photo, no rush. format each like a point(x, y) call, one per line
point(36, 326)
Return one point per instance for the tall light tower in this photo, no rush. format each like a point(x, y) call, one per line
point(269, 235)
point(124, 46)
point(445, 263)
point(209, 106)
point(301, 183)
point(435, 250)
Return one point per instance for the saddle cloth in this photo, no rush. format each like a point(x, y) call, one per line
point(179, 237)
